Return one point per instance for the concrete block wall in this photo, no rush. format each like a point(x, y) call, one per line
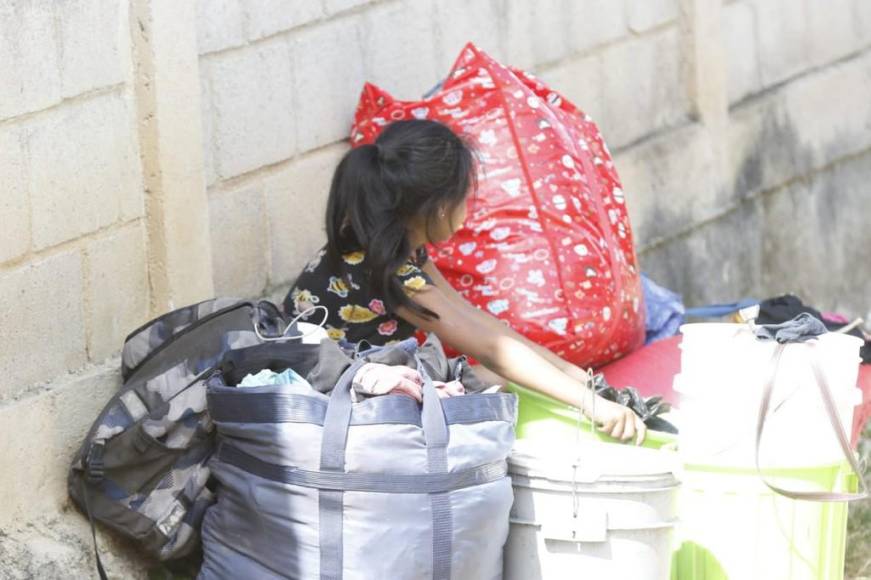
point(789, 211)
point(708, 106)
point(282, 103)
point(155, 153)
point(73, 278)
point(85, 202)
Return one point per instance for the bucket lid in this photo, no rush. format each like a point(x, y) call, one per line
point(596, 461)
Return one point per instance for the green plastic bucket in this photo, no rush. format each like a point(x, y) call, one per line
point(733, 526)
point(544, 418)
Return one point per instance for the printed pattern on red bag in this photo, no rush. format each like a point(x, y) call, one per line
point(546, 246)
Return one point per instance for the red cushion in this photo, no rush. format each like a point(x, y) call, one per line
point(650, 369)
point(863, 411)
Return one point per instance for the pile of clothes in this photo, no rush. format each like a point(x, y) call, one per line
point(375, 378)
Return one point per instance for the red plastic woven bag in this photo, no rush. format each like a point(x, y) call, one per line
point(546, 245)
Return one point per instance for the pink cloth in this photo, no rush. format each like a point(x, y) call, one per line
point(379, 379)
point(834, 317)
point(863, 411)
point(449, 389)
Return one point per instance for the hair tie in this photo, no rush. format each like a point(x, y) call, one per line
point(382, 153)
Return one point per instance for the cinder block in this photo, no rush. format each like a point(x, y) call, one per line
point(83, 169)
point(328, 62)
point(336, 6)
point(742, 59)
point(267, 17)
point(219, 25)
point(595, 22)
point(458, 23)
point(517, 35)
point(833, 30)
point(208, 120)
point(399, 48)
point(93, 36)
point(754, 129)
point(14, 203)
point(841, 196)
point(53, 421)
point(43, 536)
point(537, 33)
point(833, 129)
point(300, 189)
point(670, 183)
point(41, 317)
point(550, 30)
point(797, 128)
point(580, 80)
point(718, 262)
point(239, 241)
point(251, 107)
point(130, 187)
point(782, 37)
point(28, 58)
point(792, 239)
point(816, 238)
point(643, 15)
point(644, 87)
point(862, 12)
point(116, 289)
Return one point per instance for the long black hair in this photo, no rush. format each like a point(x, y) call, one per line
point(414, 169)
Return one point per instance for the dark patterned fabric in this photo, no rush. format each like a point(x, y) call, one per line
point(355, 314)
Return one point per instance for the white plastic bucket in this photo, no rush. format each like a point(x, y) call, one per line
point(611, 517)
point(732, 352)
point(723, 371)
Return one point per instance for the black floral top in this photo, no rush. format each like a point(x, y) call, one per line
point(354, 313)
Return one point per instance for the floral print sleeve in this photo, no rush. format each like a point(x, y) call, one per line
point(354, 314)
point(412, 277)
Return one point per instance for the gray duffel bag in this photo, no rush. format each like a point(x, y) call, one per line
point(319, 487)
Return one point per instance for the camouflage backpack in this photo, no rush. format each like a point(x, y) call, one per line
point(142, 467)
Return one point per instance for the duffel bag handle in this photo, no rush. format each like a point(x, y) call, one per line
point(335, 435)
point(435, 426)
point(338, 420)
point(831, 412)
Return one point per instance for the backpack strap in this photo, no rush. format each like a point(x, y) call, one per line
point(94, 474)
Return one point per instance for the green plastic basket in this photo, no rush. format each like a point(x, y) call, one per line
point(542, 417)
point(733, 526)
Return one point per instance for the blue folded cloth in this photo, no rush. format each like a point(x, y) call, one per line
point(663, 311)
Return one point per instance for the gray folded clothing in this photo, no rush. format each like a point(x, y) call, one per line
point(800, 329)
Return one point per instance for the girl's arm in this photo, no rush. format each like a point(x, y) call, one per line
point(514, 357)
point(491, 322)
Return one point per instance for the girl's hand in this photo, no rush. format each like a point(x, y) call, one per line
point(617, 421)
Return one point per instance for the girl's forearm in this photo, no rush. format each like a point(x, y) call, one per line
point(520, 363)
point(566, 367)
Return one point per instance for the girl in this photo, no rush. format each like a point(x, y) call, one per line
point(386, 201)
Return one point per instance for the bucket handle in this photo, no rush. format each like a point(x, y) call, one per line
point(831, 412)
